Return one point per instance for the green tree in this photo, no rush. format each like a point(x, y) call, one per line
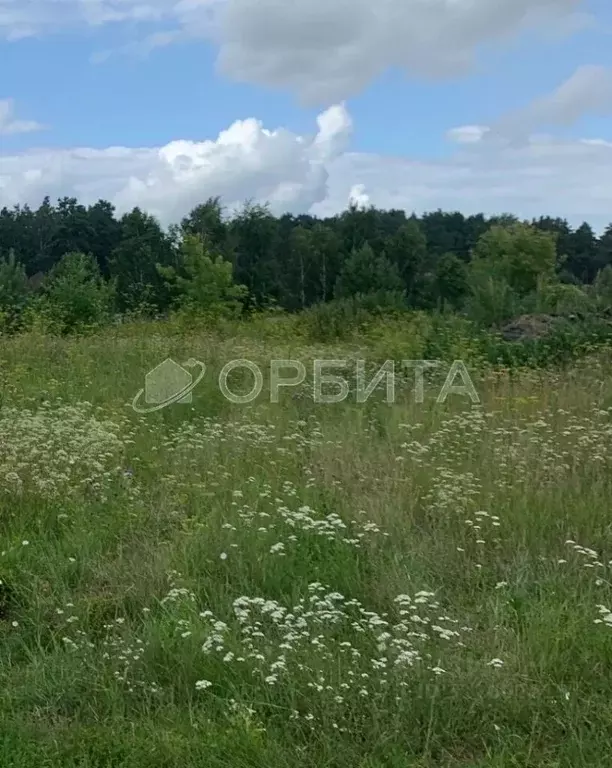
point(518, 254)
point(13, 291)
point(581, 255)
point(43, 225)
point(450, 281)
point(74, 295)
point(206, 220)
point(29, 234)
point(203, 283)
point(300, 262)
point(448, 232)
point(254, 245)
point(142, 246)
point(604, 250)
point(504, 220)
point(364, 273)
point(74, 232)
point(562, 233)
point(509, 263)
point(407, 250)
point(325, 260)
point(105, 232)
point(358, 226)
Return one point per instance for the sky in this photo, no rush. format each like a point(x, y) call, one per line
point(499, 106)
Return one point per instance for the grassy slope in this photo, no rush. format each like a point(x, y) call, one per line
point(118, 532)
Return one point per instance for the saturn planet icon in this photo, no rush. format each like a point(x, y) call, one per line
point(168, 383)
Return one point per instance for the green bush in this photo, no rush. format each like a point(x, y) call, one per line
point(563, 299)
point(74, 296)
point(203, 283)
point(343, 318)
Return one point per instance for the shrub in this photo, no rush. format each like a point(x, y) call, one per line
point(74, 296)
point(342, 318)
point(203, 283)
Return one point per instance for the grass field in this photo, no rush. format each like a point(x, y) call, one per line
point(300, 584)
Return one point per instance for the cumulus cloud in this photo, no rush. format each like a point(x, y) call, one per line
point(9, 124)
point(324, 51)
point(317, 174)
point(358, 196)
point(246, 161)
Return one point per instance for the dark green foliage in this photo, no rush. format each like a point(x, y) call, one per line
point(74, 296)
point(450, 285)
point(13, 291)
point(133, 263)
point(202, 283)
point(407, 250)
point(603, 253)
point(602, 289)
point(364, 260)
point(365, 273)
point(341, 318)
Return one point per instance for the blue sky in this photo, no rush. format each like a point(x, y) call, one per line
point(399, 77)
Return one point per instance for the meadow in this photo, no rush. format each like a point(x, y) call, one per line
point(369, 585)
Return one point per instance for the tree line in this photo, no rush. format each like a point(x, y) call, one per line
point(78, 263)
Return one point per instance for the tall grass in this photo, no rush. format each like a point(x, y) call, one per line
point(415, 584)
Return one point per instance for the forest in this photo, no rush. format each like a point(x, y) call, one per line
point(80, 265)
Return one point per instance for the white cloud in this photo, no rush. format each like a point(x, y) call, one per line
point(543, 176)
point(247, 161)
point(328, 50)
point(25, 18)
point(587, 91)
point(323, 50)
point(9, 124)
point(467, 134)
point(358, 196)
point(297, 173)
